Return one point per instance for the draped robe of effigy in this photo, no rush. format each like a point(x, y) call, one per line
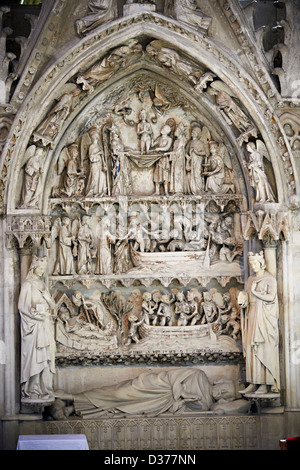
point(150, 394)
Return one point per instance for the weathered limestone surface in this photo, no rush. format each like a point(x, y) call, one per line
point(149, 167)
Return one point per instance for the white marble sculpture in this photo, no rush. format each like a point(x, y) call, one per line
point(104, 262)
point(37, 334)
point(196, 152)
point(97, 180)
point(33, 169)
point(81, 334)
point(178, 183)
point(63, 229)
point(67, 168)
point(85, 245)
point(171, 391)
point(145, 132)
point(47, 131)
point(100, 11)
point(171, 60)
point(121, 181)
point(260, 328)
point(229, 109)
point(92, 310)
point(216, 172)
point(109, 64)
point(163, 144)
point(258, 177)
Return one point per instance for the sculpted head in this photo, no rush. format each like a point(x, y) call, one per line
point(224, 389)
point(180, 296)
point(37, 267)
point(251, 147)
point(77, 298)
point(147, 296)
point(257, 261)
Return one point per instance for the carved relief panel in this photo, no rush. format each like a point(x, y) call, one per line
point(147, 199)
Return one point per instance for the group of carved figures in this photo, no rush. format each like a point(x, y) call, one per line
point(83, 250)
point(88, 318)
point(259, 325)
point(100, 11)
point(186, 309)
point(181, 165)
point(185, 157)
point(101, 164)
point(186, 160)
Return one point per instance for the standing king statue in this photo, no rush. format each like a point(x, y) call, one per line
point(37, 334)
point(260, 328)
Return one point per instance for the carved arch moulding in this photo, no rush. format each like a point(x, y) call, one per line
point(201, 51)
point(146, 165)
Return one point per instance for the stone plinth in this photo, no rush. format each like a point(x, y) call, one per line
point(265, 402)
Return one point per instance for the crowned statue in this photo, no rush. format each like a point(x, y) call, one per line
point(37, 334)
point(260, 328)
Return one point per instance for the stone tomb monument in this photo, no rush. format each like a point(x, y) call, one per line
point(146, 223)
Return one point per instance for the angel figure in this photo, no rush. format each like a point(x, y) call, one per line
point(33, 168)
point(64, 230)
point(196, 153)
point(100, 11)
point(216, 171)
point(50, 127)
point(161, 102)
point(258, 178)
point(170, 59)
point(227, 106)
point(110, 63)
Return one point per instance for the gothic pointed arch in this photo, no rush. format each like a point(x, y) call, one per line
point(221, 83)
point(146, 161)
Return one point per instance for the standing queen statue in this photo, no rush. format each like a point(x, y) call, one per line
point(37, 334)
point(260, 328)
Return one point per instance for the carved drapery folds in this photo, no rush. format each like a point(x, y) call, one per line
point(146, 126)
point(144, 190)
